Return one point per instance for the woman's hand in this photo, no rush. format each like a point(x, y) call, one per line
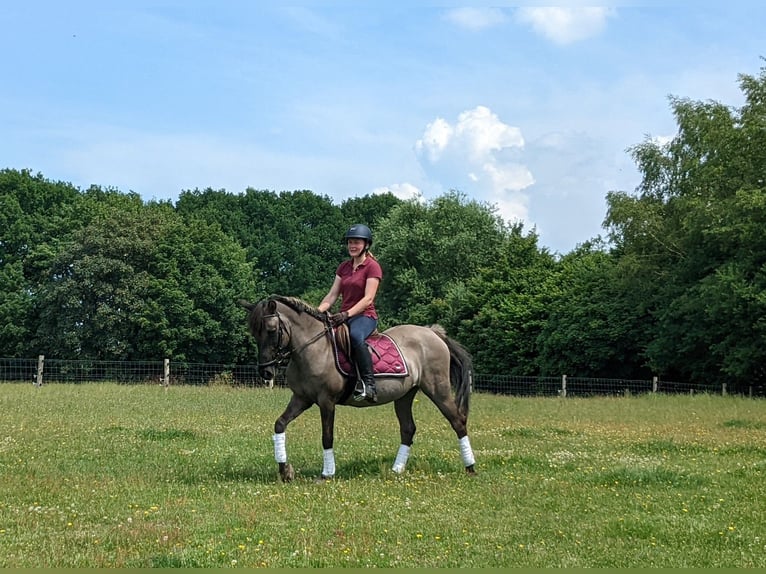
point(338, 318)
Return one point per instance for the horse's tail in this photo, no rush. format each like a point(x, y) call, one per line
point(460, 370)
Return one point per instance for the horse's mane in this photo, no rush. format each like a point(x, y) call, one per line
point(300, 306)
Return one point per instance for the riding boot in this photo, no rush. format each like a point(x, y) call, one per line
point(364, 364)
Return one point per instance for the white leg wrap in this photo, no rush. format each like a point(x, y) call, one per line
point(401, 459)
point(328, 469)
point(466, 452)
point(280, 452)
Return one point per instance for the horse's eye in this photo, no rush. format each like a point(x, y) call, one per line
point(271, 326)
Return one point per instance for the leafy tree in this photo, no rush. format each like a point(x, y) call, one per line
point(292, 238)
point(427, 248)
point(499, 312)
point(35, 216)
point(219, 206)
point(692, 240)
point(593, 328)
point(369, 209)
point(138, 283)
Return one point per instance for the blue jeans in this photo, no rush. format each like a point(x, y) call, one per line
point(359, 328)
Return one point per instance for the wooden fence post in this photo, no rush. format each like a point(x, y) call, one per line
point(723, 389)
point(166, 374)
point(40, 365)
point(563, 386)
point(654, 383)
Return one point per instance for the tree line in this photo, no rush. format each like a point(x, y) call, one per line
point(675, 288)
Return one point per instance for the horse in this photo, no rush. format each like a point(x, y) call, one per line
point(287, 330)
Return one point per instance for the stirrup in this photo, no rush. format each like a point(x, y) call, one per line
point(360, 391)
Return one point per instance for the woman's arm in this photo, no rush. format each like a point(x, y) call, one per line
point(331, 297)
point(370, 290)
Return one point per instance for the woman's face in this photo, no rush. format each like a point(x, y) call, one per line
point(355, 246)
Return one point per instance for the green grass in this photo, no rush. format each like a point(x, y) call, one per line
point(138, 476)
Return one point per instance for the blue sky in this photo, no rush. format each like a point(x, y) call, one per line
point(528, 108)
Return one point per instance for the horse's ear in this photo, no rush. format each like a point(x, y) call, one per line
point(271, 306)
point(246, 304)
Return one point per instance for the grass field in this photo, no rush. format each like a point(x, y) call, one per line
point(138, 476)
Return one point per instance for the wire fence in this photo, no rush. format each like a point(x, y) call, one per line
point(41, 371)
point(565, 386)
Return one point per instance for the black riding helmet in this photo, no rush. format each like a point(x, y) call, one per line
point(359, 231)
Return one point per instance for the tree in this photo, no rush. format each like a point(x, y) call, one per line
point(692, 241)
point(293, 238)
point(593, 329)
point(499, 312)
point(369, 209)
point(138, 283)
point(427, 248)
point(35, 216)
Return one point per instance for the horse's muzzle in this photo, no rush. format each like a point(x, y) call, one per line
point(267, 373)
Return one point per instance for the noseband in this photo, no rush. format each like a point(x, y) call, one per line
point(282, 353)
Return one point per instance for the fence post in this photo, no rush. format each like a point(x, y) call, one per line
point(40, 365)
point(654, 383)
point(166, 374)
point(563, 386)
point(723, 389)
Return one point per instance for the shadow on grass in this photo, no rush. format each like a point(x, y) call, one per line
point(744, 424)
point(264, 470)
point(230, 469)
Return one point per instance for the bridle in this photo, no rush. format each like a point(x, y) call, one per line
point(282, 353)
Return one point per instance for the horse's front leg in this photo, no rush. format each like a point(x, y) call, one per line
point(403, 408)
point(294, 408)
point(327, 411)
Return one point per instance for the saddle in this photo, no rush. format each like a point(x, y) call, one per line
point(387, 358)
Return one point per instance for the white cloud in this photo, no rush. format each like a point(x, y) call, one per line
point(405, 191)
point(476, 19)
point(478, 155)
point(436, 137)
point(565, 25)
point(483, 133)
point(513, 207)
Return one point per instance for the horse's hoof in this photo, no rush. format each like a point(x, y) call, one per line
point(287, 473)
point(470, 470)
point(321, 479)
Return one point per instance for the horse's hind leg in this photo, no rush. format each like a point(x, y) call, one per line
point(294, 408)
point(403, 409)
point(447, 406)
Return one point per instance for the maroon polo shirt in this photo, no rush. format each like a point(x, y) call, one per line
point(352, 283)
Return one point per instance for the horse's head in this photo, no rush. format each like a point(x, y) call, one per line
point(270, 334)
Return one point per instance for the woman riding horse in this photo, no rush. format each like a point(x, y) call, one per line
point(292, 333)
point(356, 282)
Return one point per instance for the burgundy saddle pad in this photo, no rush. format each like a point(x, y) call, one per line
point(387, 359)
